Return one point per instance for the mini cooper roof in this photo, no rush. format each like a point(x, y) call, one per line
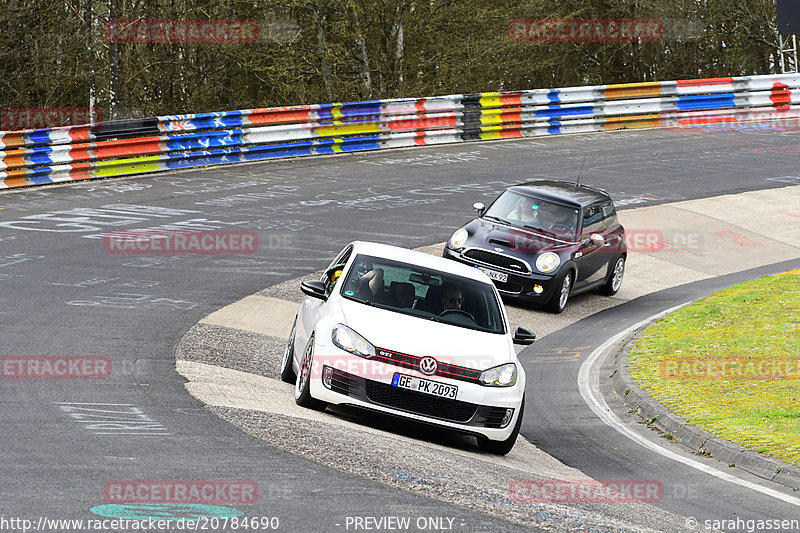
point(562, 192)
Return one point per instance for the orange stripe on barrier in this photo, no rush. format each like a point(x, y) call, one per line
point(145, 145)
point(80, 134)
point(511, 99)
point(14, 161)
point(13, 140)
point(632, 90)
point(638, 121)
point(278, 116)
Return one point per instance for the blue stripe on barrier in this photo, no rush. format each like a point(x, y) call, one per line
point(554, 96)
point(714, 101)
point(554, 128)
point(560, 112)
point(40, 136)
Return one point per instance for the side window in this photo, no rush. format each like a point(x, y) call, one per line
point(609, 216)
point(592, 221)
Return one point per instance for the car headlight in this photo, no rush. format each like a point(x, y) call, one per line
point(500, 376)
point(548, 262)
point(350, 341)
point(458, 239)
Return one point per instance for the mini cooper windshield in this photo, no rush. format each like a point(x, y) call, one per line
point(424, 293)
point(532, 213)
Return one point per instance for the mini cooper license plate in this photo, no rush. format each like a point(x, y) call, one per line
point(425, 385)
point(495, 275)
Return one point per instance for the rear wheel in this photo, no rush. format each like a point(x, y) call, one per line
point(287, 371)
point(502, 447)
point(559, 299)
point(614, 281)
point(302, 388)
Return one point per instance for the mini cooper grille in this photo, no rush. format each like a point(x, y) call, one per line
point(502, 261)
point(419, 403)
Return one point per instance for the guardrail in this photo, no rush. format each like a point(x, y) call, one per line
point(125, 147)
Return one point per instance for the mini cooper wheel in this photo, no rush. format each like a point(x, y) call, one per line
point(614, 281)
point(302, 388)
point(559, 299)
point(502, 447)
point(287, 372)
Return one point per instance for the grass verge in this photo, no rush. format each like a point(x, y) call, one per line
point(730, 364)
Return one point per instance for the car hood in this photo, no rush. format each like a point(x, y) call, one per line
point(514, 241)
point(420, 337)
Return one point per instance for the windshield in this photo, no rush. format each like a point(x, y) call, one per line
point(424, 293)
point(529, 212)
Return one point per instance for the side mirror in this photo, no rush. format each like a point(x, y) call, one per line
point(315, 289)
point(597, 239)
point(479, 207)
point(524, 337)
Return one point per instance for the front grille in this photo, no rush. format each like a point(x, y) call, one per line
point(499, 260)
point(444, 370)
point(490, 417)
point(419, 403)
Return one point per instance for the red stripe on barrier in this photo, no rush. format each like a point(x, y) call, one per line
point(711, 120)
point(420, 140)
point(80, 133)
point(145, 145)
point(511, 99)
point(704, 82)
point(780, 96)
point(277, 116)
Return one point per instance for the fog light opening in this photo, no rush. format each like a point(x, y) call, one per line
point(507, 417)
point(327, 376)
point(538, 289)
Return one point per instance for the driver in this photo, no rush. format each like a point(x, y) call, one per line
point(559, 219)
point(451, 298)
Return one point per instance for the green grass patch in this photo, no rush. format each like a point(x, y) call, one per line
point(730, 363)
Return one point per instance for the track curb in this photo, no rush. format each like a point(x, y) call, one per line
point(653, 413)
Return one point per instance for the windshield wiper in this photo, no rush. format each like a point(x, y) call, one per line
point(490, 217)
point(360, 300)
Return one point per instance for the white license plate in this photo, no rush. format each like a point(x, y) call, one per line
point(424, 385)
point(495, 275)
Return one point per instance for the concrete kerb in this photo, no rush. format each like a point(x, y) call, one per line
point(655, 414)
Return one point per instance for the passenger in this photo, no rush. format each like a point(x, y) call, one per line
point(374, 280)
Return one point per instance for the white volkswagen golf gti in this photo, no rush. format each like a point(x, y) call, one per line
point(409, 334)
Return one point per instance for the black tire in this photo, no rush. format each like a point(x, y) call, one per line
point(614, 281)
point(302, 388)
point(287, 372)
point(502, 447)
point(559, 300)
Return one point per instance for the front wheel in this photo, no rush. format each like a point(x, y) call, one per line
point(559, 300)
point(302, 388)
point(614, 281)
point(502, 447)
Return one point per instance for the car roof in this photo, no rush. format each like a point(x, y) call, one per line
point(422, 259)
point(563, 192)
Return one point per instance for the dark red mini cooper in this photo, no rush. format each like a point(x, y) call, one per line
point(545, 240)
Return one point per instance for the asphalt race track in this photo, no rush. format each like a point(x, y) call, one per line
point(64, 294)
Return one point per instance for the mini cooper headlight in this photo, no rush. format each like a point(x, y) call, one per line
point(458, 239)
point(548, 262)
point(500, 376)
point(350, 341)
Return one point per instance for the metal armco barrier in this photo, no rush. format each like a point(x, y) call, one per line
point(125, 147)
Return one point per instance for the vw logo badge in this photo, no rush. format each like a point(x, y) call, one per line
point(427, 365)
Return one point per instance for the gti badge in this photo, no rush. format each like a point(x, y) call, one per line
point(427, 365)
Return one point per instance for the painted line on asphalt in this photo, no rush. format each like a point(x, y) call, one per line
point(589, 386)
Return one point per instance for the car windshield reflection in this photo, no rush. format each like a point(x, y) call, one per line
point(528, 212)
point(423, 293)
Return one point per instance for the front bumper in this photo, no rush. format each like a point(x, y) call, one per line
point(519, 287)
point(367, 384)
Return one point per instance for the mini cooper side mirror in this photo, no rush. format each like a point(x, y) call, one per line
point(479, 207)
point(524, 337)
point(597, 239)
point(315, 289)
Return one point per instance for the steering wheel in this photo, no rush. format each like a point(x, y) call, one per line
point(459, 311)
